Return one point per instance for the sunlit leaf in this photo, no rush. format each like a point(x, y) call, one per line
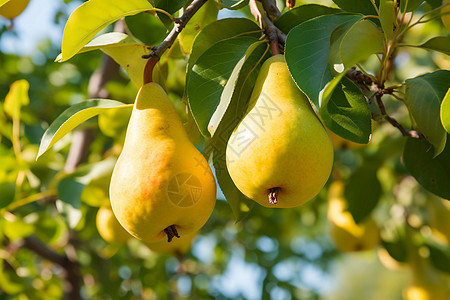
point(307, 50)
point(237, 107)
point(411, 5)
point(387, 17)
point(233, 4)
point(72, 117)
point(15, 228)
point(360, 41)
point(347, 113)
point(2, 2)
point(303, 13)
point(209, 75)
point(363, 191)
point(433, 173)
point(445, 111)
point(10, 282)
point(86, 21)
point(358, 6)
point(204, 16)
point(439, 43)
point(424, 95)
point(16, 98)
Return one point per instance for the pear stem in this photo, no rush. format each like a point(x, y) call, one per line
point(273, 195)
point(148, 70)
point(171, 232)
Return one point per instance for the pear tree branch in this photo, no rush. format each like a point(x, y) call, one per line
point(179, 25)
point(362, 81)
point(265, 16)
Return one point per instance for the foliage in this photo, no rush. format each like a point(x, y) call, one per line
point(376, 73)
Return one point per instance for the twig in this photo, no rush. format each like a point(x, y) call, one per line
point(405, 132)
point(180, 23)
point(265, 20)
point(70, 266)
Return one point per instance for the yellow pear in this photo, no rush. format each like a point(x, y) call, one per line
point(13, 8)
point(345, 232)
point(162, 186)
point(109, 228)
point(178, 246)
point(280, 154)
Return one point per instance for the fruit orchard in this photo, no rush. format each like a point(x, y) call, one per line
point(229, 149)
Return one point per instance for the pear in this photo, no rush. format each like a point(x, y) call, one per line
point(280, 153)
point(161, 187)
point(109, 228)
point(346, 233)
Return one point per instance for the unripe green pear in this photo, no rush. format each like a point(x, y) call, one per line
point(280, 155)
point(161, 187)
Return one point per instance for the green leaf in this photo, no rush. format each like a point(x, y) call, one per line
point(10, 282)
point(361, 40)
point(424, 95)
point(16, 98)
point(209, 75)
point(204, 16)
point(72, 117)
point(307, 50)
point(445, 111)
point(439, 43)
point(236, 110)
point(387, 17)
point(358, 6)
point(433, 173)
point(440, 257)
point(171, 7)
point(233, 4)
point(124, 50)
point(347, 113)
point(91, 17)
point(140, 24)
point(221, 30)
point(363, 191)
point(412, 5)
point(397, 250)
point(303, 13)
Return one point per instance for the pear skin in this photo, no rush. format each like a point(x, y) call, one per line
point(280, 155)
point(162, 187)
point(347, 235)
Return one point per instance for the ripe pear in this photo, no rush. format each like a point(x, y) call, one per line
point(162, 186)
point(13, 8)
point(280, 155)
point(345, 232)
point(109, 228)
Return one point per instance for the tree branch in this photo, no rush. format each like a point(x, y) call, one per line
point(70, 266)
point(177, 28)
point(362, 80)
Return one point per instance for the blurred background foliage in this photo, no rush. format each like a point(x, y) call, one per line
point(49, 216)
